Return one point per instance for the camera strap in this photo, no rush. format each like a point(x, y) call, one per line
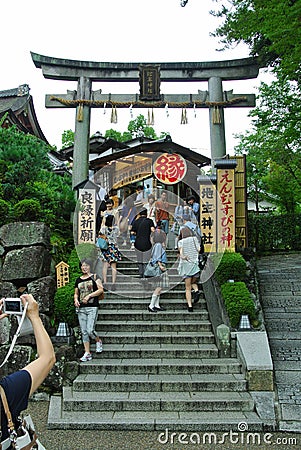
point(14, 340)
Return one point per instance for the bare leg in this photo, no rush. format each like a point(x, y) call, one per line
point(114, 272)
point(188, 291)
point(87, 347)
point(105, 271)
point(194, 284)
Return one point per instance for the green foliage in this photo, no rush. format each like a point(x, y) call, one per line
point(27, 211)
point(273, 147)
point(232, 266)
point(139, 127)
point(4, 212)
point(67, 138)
point(270, 29)
point(87, 251)
point(61, 244)
point(136, 128)
point(64, 310)
point(118, 136)
point(270, 231)
point(238, 301)
point(29, 186)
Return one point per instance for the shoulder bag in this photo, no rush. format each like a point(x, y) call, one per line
point(102, 295)
point(102, 242)
point(22, 436)
point(153, 269)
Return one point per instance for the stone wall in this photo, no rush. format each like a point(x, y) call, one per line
point(25, 263)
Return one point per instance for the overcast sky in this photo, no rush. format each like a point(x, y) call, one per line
point(117, 31)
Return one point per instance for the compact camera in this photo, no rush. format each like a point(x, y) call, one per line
point(15, 306)
point(12, 306)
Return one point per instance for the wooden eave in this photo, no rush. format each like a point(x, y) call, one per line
point(152, 147)
point(20, 111)
point(97, 144)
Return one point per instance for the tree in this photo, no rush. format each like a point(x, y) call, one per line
point(273, 145)
point(136, 128)
point(67, 138)
point(26, 174)
point(139, 127)
point(271, 29)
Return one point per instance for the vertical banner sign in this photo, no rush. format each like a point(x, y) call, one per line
point(241, 208)
point(225, 209)
point(208, 214)
point(86, 216)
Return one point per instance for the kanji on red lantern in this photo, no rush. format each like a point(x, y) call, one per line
point(170, 168)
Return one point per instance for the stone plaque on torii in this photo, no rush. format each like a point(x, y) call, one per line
point(149, 76)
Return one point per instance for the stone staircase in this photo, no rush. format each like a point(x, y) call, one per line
point(157, 371)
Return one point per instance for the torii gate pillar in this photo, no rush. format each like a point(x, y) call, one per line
point(80, 170)
point(217, 121)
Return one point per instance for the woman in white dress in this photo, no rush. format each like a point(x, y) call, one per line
point(189, 248)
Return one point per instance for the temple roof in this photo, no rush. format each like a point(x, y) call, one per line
point(17, 103)
point(165, 145)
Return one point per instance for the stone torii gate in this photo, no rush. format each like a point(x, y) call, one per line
point(149, 76)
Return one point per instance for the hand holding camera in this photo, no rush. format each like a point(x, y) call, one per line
point(12, 306)
point(16, 306)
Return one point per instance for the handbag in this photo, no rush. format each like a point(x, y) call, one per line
point(202, 257)
point(102, 242)
point(152, 270)
point(202, 260)
point(22, 437)
point(102, 295)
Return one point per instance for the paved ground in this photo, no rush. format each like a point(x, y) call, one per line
point(138, 440)
point(280, 284)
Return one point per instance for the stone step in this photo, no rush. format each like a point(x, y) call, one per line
point(161, 421)
point(155, 401)
point(126, 304)
point(147, 351)
point(157, 338)
point(165, 383)
point(158, 325)
point(161, 366)
point(144, 314)
point(142, 293)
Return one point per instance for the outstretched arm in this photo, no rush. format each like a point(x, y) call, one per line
point(39, 368)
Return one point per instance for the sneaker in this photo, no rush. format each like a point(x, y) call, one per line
point(132, 247)
point(98, 347)
point(124, 244)
point(86, 357)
